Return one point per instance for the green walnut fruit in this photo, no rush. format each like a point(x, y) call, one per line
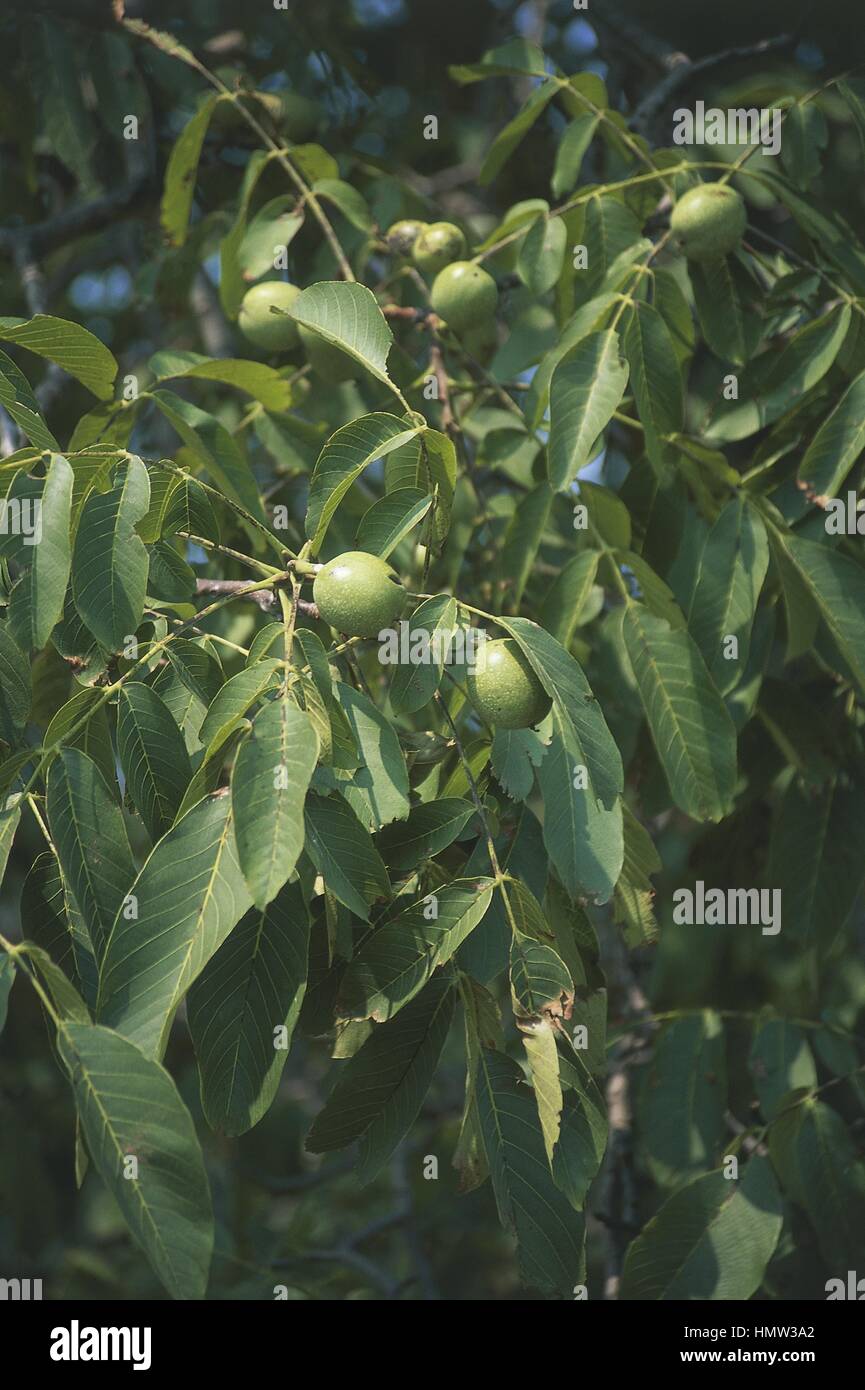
point(358, 594)
point(504, 688)
point(709, 221)
point(464, 295)
point(329, 362)
point(401, 236)
point(438, 245)
point(273, 332)
point(298, 116)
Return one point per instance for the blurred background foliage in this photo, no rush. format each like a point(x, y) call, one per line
point(362, 75)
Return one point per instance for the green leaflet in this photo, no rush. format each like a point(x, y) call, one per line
point(656, 379)
point(550, 1234)
point(514, 132)
point(819, 1169)
point(381, 1089)
point(817, 857)
point(568, 594)
point(572, 148)
point(94, 736)
point(186, 899)
point(342, 460)
point(342, 850)
point(514, 756)
point(778, 380)
point(255, 378)
point(47, 922)
point(583, 817)
point(378, 790)
point(414, 683)
point(397, 958)
point(74, 348)
point(271, 774)
point(109, 569)
point(238, 694)
point(692, 732)
point(14, 687)
point(543, 1059)
point(181, 170)
point(837, 586)
point(153, 756)
point(732, 569)
point(780, 1061)
point(711, 1240)
point(586, 387)
point(129, 1109)
point(429, 828)
point(16, 396)
point(348, 317)
point(634, 891)
point(686, 1097)
point(541, 987)
point(837, 444)
point(521, 542)
point(37, 600)
point(390, 519)
point(7, 976)
point(216, 450)
point(242, 1011)
point(542, 254)
point(90, 839)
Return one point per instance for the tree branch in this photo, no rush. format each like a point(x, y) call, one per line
point(73, 222)
point(684, 72)
point(266, 599)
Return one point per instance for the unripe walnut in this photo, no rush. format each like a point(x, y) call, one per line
point(358, 594)
point(504, 688)
point(709, 221)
